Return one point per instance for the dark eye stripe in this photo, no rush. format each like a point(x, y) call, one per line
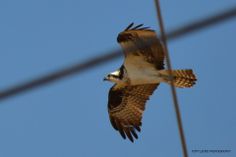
point(121, 72)
point(115, 76)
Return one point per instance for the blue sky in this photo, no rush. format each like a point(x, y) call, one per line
point(69, 117)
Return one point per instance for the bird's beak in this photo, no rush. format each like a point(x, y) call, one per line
point(105, 79)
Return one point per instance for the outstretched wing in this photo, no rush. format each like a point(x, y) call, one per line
point(126, 106)
point(143, 42)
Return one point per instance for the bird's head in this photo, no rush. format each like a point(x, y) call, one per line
point(115, 76)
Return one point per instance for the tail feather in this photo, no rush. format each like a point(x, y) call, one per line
point(182, 78)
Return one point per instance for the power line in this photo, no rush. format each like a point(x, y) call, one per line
point(62, 73)
point(169, 68)
point(98, 60)
point(200, 24)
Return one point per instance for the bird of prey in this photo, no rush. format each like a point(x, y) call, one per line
point(141, 73)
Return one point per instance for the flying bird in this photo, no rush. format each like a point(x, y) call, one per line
point(141, 73)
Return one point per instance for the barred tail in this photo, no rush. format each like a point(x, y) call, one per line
point(182, 78)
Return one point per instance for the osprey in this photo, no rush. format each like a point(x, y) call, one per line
point(138, 77)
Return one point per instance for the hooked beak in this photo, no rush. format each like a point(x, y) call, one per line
point(105, 79)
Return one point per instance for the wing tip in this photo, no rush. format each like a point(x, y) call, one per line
point(129, 132)
point(137, 27)
point(129, 26)
point(124, 36)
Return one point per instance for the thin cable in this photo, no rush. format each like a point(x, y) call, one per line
point(173, 90)
point(200, 24)
point(57, 75)
point(98, 60)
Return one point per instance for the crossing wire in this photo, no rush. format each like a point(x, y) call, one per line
point(101, 59)
point(169, 68)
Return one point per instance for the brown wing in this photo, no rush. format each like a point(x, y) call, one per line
point(143, 42)
point(126, 106)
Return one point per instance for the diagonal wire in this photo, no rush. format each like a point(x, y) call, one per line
point(98, 60)
point(169, 68)
point(200, 24)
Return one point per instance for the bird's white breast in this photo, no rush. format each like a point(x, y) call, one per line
point(140, 71)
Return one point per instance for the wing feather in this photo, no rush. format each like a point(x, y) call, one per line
point(126, 106)
point(128, 134)
point(120, 128)
point(138, 26)
point(143, 42)
point(129, 26)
